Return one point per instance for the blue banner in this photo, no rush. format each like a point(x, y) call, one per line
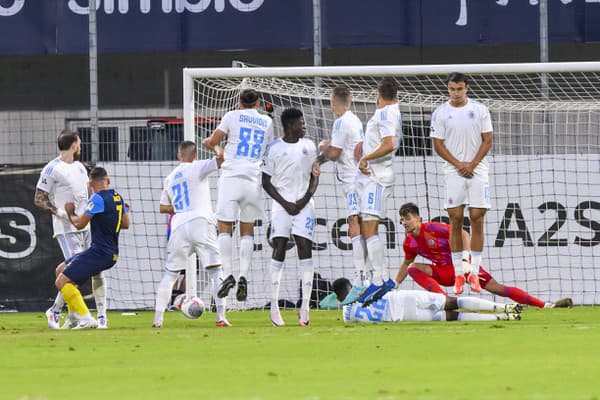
point(61, 26)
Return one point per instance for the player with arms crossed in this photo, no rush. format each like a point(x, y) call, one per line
point(462, 135)
point(107, 214)
point(63, 180)
point(186, 193)
point(291, 179)
point(375, 181)
point(239, 190)
point(420, 306)
point(346, 140)
point(431, 241)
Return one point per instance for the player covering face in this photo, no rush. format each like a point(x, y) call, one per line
point(417, 306)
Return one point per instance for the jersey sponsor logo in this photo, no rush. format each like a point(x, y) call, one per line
point(471, 115)
point(17, 232)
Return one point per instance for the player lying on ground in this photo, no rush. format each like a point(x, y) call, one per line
point(431, 241)
point(108, 214)
point(420, 306)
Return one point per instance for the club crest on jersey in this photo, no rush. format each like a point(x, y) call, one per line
point(431, 242)
point(471, 115)
point(305, 151)
point(450, 200)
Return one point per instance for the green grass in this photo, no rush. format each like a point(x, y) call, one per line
point(550, 354)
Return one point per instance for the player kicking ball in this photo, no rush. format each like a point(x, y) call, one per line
point(420, 306)
point(107, 214)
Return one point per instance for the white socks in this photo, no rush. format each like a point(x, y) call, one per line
point(477, 304)
point(99, 290)
point(475, 261)
point(163, 294)
point(215, 276)
point(308, 271)
point(477, 317)
point(276, 269)
point(225, 247)
point(359, 253)
point(59, 303)
point(376, 255)
point(246, 250)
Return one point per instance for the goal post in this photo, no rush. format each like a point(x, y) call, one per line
point(543, 231)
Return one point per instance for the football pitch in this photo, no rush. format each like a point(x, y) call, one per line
point(550, 354)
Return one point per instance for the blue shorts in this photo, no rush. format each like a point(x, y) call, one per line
point(84, 265)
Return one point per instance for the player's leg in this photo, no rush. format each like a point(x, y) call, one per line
point(226, 251)
point(69, 250)
point(423, 275)
point(307, 270)
point(359, 246)
point(246, 251)
point(279, 234)
point(479, 203)
point(512, 292)
point(461, 266)
point(477, 304)
point(251, 209)
point(163, 296)
point(276, 269)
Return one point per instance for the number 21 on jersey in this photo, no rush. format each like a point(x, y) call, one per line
point(181, 197)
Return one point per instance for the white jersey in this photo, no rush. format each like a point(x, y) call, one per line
point(248, 134)
point(347, 132)
point(460, 128)
point(290, 166)
point(65, 182)
point(186, 189)
point(399, 305)
point(386, 121)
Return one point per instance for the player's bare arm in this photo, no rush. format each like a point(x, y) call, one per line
point(289, 207)
point(403, 271)
point(213, 142)
point(126, 222)
point(42, 200)
point(78, 221)
point(166, 209)
point(385, 147)
point(485, 147)
point(328, 152)
point(462, 167)
point(312, 188)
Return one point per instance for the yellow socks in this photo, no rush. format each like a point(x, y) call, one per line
point(74, 299)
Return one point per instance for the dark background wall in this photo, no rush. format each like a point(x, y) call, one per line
point(134, 80)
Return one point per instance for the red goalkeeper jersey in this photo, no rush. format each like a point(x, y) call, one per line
point(432, 243)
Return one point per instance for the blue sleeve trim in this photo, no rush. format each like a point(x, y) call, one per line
point(95, 205)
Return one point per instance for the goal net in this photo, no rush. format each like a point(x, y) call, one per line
point(542, 233)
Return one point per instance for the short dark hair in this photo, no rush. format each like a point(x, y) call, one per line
point(342, 93)
point(457, 77)
point(66, 138)
point(409, 208)
point(388, 88)
point(187, 146)
point(248, 97)
point(98, 173)
point(341, 287)
point(289, 115)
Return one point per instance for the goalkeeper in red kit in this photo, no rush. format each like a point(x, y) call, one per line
point(430, 240)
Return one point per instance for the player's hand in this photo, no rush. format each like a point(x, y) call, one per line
point(316, 169)
point(363, 167)
point(69, 208)
point(358, 151)
point(324, 145)
point(127, 207)
point(291, 208)
point(465, 169)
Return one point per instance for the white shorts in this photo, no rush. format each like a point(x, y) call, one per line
point(284, 224)
point(239, 198)
point(197, 235)
point(474, 192)
point(416, 306)
point(72, 243)
point(373, 199)
point(352, 201)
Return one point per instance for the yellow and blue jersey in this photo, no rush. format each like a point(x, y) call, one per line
point(107, 209)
